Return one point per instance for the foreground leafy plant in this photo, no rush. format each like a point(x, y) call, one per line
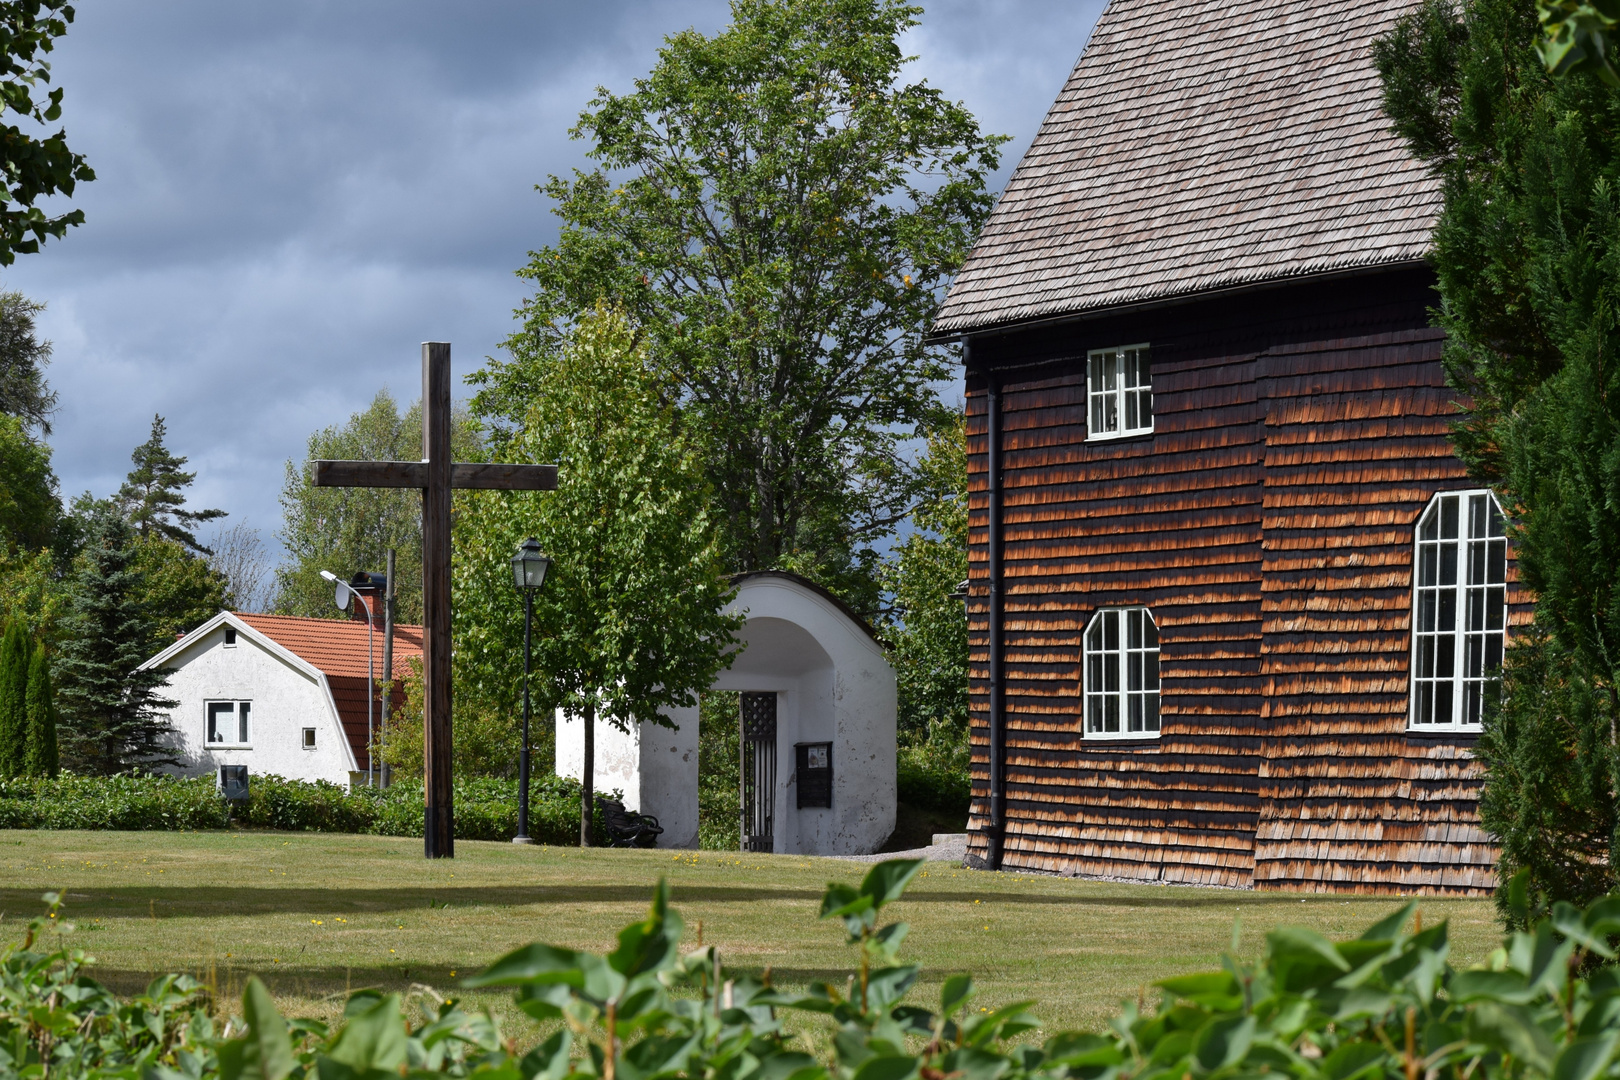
point(1385, 1004)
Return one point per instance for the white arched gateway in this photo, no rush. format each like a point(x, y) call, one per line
point(817, 731)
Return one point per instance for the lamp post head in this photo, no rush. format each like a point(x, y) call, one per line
point(529, 566)
point(343, 596)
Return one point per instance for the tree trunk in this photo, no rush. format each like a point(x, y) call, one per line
point(587, 796)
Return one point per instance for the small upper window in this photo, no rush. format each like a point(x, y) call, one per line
point(1460, 609)
point(229, 723)
point(1121, 665)
point(230, 637)
point(1119, 391)
point(309, 738)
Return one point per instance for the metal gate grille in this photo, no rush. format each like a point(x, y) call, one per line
point(758, 770)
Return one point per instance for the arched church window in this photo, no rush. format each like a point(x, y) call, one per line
point(1121, 675)
point(1459, 616)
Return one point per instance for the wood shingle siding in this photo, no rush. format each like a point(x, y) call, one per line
point(1189, 152)
point(1267, 523)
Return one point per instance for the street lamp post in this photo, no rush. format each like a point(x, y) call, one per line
point(344, 594)
point(528, 573)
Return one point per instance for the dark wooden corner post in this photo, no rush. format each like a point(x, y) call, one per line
point(996, 838)
point(439, 832)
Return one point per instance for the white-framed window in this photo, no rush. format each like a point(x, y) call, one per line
point(1119, 392)
point(309, 738)
point(1459, 609)
point(1121, 665)
point(230, 723)
point(230, 637)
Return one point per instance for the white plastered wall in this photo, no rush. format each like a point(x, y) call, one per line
point(833, 684)
point(287, 694)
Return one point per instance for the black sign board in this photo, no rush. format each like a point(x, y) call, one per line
point(813, 763)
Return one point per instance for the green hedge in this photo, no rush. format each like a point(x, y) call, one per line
point(933, 780)
point(485, 809)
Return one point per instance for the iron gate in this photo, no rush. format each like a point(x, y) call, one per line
point(758, 770)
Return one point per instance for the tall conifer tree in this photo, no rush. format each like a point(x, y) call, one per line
point(13, 698)
point(40, 755)
point(111, 711)
point(153, 495)
point(1526, 251)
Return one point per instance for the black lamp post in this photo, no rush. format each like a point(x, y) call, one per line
point(528, 573)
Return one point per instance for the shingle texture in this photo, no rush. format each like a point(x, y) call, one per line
point(338, 647)
point(1198, 145)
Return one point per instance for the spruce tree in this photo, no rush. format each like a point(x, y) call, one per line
point(13, 699)
point(111, 712)
point(1525, 250)
point(40, 756)
point(153, 495)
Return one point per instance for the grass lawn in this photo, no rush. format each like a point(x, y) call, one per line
point(316, 914)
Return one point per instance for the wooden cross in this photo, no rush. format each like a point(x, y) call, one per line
point(435, 475)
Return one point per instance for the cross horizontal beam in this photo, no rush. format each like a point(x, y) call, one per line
point(413, 474)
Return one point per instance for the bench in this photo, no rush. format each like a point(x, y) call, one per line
point(625, 829)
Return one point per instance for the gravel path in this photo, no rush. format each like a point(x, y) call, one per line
point(947, 847)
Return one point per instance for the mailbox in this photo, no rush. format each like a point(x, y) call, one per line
point(233, 783)
point(813, 766)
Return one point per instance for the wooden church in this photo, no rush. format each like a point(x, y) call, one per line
point(1234, 603)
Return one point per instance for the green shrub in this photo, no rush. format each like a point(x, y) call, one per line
point(485, 809)
point(1383, 1006)
point(935, 774)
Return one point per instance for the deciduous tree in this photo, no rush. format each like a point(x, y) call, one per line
point(29, 505)
point(23, 356)
point(346, 530)
point(629, 622)
point(779, 211)
point(33, 166)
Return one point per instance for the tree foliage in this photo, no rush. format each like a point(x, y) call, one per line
point(153, 494)
point(929, 638)
point(29, 505)
point(347, 530)
point(33, 167)
point(629, 621)
point(779, 212)
point(14, 648)
point(40, 756)
point(178, 590)
point(1526, 250)
point(112, 713)
point(23, 356)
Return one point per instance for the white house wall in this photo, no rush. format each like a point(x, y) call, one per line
point(656, 768)
point(285, 701)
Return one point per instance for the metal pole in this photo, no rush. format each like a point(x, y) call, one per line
point(388, 652)
point(522, 836)
point(371, 689)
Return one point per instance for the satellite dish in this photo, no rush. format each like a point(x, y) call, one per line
point(344, 596)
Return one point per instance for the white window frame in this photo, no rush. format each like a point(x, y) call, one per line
point(1121, 680)
point(1474, 603)
point(307, 738)
point(1118, 400)
point(238, 723)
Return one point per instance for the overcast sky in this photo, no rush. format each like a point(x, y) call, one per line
point(292, 195)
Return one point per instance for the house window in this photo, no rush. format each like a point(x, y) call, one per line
point(309, 738)
point(230, 637)
point(229, 723)
point(1119, 390)
point(1121, 665)
point(1459, 609)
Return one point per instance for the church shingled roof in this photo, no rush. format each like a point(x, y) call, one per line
point(1200, 145)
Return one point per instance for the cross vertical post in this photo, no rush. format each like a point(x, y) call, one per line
point(439, 836)
point(434, 476)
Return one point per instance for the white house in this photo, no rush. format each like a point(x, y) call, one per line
point(817, 731)
point(278, 694)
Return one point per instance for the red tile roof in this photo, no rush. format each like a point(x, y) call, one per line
point(337, 646)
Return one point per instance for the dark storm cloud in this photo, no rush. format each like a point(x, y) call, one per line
point(291, 196)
